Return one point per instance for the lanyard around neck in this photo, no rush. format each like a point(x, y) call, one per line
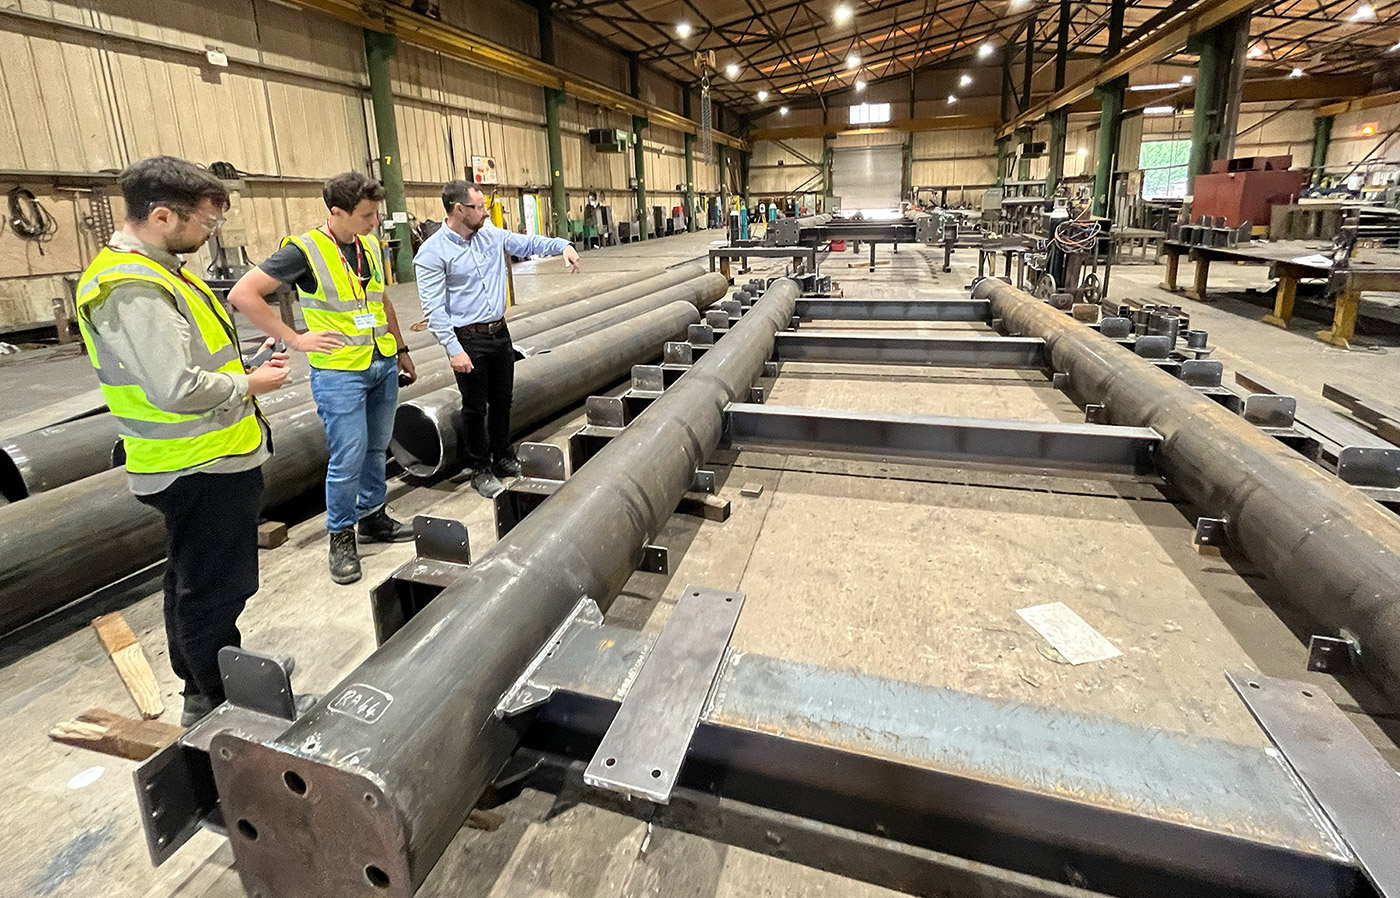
point(357, 286)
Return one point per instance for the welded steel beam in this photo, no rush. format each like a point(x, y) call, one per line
point(911, 349)
point(818, 308)
point(428, 439)
point(1035, 444)
point(1333, 553)
point(596, 285)
point(402, 749)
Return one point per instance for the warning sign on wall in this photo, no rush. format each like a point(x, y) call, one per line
point(484, 170)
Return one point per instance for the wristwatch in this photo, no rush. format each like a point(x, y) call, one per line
point(403, 350)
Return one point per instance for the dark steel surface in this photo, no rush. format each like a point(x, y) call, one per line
point(403, 748)
point(596, 285)
point(45, 459)
point(907, 349)
point(1357, 789)
point(701, 292)
point(1133, 810)
point(548, 319)
point(1120, 450)
point(1333, 552)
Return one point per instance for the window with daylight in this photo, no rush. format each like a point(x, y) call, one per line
point(870, 113)
point(1163, 164)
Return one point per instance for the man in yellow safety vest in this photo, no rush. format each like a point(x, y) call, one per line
point(168, 362)
point(356, 352)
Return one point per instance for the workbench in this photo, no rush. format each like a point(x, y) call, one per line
point(804, 258)
point(1371, 269)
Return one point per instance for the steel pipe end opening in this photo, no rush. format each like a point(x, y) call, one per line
point(12, 485)
point(423, 443)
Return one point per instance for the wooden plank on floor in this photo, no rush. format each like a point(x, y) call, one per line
point(109, 733)
point(121, 644)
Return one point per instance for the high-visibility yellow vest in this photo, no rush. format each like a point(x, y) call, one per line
point(339, 297)
point(157, 440)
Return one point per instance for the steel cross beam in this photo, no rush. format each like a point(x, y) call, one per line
point(905, 349)
point(818, 308)
point(1035, 444)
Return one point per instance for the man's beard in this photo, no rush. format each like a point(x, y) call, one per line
point(184, 249)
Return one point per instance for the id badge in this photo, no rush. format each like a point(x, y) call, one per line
point(364, 319)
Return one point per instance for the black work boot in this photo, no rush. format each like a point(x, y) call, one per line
point(486, 484)
point(197, 707)
point(378, 527)
point(345, 560)
point(509, 466)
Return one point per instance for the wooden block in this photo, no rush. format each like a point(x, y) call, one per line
point(488, 821)
point(1206, 551)
point(271, 534)
point(120, 642)
point(111, 734)
point(751, 490)
point(704, 505)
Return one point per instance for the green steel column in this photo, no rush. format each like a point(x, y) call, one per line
point(639, 124)
point(1322, 138)
point(559, 199)
point(1003, 155)
point(744, 160)
point(379, 49)
point(1023, 169)
point(690, 222)
point(1055, 171)
point(907, 181)
point(722, 157)
point(828, 176)
point(1110, 97)
point(1215, 50)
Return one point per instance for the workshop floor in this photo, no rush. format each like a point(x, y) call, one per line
point(907, 571)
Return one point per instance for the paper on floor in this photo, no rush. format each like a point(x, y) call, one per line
point(1068, 633)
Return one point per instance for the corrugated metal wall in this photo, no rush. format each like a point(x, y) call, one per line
point(88, 87)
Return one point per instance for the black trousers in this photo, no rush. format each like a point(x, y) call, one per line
point(486, 395)
point(211, 569)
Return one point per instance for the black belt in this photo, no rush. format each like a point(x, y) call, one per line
point(484, 327)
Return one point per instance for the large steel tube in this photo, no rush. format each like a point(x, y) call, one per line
point(1334, 553)
point(428, 437)
point(580, 308)
point(593, 285)
point(701, 292)
point(360, 796)
point(46, 459)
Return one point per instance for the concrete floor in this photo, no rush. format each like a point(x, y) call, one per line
point(905, 571)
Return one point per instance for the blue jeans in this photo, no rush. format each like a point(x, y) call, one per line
point(357, 408)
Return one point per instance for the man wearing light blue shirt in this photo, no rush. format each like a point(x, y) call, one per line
point(461, 273)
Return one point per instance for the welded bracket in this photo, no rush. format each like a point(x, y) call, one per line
point(1094, 413)
point(257, 682)
point(770, 369)
point(441, 539)
point(1369, 466)
point(1334, 654)
point(526, 694)
point(655, 560)
point(645, 746)
point(605, 411)
point(1060, 381)
point(700, 335)
point(648, 378)
point(717, 319)
point(756, 395)
point(542, 472)
point(1153, 346)
point(1270, 410)
point(676, 353)
point(1116, 328)
point(704, 481)
point(1210, 532)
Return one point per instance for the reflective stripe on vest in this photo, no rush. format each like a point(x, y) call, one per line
point(157, 440)
point(337, 301)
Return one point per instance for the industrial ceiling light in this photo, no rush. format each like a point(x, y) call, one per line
point(782, 110)
point(1187, 79)
point(762, 95)
point(853, 61)
point(1015, 6)
point(1083, 151)
point(1394, 47)
point(683, 30)
point(842, 15)
point(1159, 110)
point(860, 84)
point(1369, 128)
point(1140, 87)
point(952, 99)
point(1255, 52)
point(1364, 13)
point(732, 70)
point(965, 80)
point(986, 50)
point(1296, 73)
